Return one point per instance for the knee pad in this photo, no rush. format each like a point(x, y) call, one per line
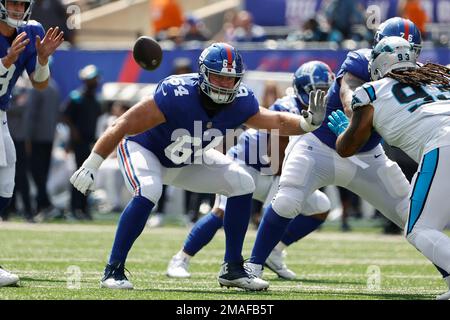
point(317, 202)
point(151, 191)
point(288, 202)
point(240, 182)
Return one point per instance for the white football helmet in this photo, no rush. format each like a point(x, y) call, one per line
point(12, 17)
point(391, 53)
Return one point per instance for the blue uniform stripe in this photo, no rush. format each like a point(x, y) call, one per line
point(370, 92)
point(123, 165)
point(132, 168)
point(422, 187)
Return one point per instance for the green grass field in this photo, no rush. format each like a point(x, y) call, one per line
point(329, 265)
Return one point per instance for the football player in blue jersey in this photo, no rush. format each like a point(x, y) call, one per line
point(170, 138)
point(23, 46)
point(310, 76)
point(312, 161)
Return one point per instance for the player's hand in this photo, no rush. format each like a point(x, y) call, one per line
point(83, 179)
point(47, 46)
point(17, 47)
point(338, 122)
point(315, 114)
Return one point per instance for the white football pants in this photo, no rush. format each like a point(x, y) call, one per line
point(310, 164)
point(7, 159)
point(429, 211)
point(144, 175)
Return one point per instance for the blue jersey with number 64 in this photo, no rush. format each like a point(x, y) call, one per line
point(189, 130)
point(25, 61)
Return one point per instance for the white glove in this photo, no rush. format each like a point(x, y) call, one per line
point(313, 117)
point(83, 178)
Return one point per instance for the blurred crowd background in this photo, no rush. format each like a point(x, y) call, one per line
point(96, 80)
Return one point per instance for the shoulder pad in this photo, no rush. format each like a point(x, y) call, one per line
point(363, 96)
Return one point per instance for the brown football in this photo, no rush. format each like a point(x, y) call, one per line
point(147, 53)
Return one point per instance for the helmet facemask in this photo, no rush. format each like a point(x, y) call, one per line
point(220, 95)
point(391, 53)
point(15, 19)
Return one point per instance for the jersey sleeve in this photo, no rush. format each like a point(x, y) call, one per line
point(363, 96)
point(163, 96)
point(249, 102)
point(36, 29)
point(356, 64)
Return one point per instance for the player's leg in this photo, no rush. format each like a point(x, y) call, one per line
point(297, 229)
point(427, 215)
point(381, 182)
point(205, 229)
point(7, 173)
point(218, 174)
point(142, 173)
point(308, 166)
point(200, 235)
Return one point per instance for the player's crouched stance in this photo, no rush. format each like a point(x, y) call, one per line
point(409, 107)
point(170, 139)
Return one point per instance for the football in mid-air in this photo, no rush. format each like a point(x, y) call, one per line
point(147, 53)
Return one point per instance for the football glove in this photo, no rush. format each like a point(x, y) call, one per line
point(338, 122)
point(313, 117)
point(83, 178)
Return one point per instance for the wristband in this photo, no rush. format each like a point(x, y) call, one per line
point(41, 73)
point(93, 161)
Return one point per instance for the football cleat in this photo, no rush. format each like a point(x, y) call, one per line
point(115, 278)
point(255, 270)
point(7, 278)
point(275, 262)
point(235, 275)
point(178, 267)
point(444, 296)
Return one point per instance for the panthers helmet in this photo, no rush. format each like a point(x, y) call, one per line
point(391, 53)
point(311, 76)
point(12, 21)
point(400, 27)
point(224, 60)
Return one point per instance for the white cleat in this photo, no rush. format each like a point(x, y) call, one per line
point(444, 296)
point(116, 284)
point(255, 270)
point(234, 275)
point(115, 278)
point(178, 268)
point(7, 278)
point(275, 262)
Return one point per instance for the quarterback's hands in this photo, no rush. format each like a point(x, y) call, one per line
point(17, 47)
point(47, 46)
point(338, 122)
point(315, 114)
point(83, 178)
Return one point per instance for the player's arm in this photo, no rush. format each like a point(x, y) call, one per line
point(349, 83)
point(44, 49)
point(357, 133)
point(291, 124)
point(142, 116)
